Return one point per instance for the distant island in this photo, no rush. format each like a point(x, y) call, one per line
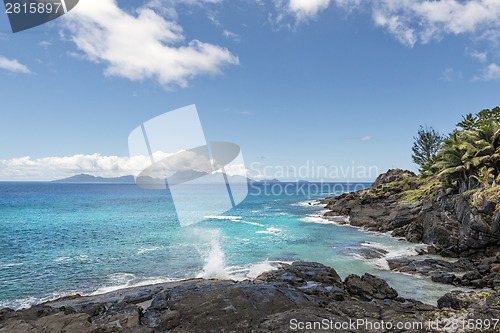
point(85, 178)
point(201, 178)
point(180, 177)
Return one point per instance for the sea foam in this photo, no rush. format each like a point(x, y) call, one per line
point(271, 231)
point(224, 217)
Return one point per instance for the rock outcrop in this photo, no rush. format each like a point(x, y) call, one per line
point(301, 292)
point(306, 297)
point(423, 212)
point(399, 202)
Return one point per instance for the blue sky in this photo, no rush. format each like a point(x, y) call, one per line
point(336, 83)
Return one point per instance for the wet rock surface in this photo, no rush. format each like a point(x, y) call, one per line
point(464, 272)
point(284, 300)
point(446, 222)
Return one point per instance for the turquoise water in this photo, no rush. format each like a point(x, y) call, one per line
point(61, 239)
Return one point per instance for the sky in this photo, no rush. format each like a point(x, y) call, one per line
point(309, 89)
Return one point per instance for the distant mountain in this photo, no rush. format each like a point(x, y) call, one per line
point(180, 177)
point(84, 178)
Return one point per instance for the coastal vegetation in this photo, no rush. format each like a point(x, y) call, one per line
point(426, 146)
point(470, 155)
point(453, 203)
point(466, 161)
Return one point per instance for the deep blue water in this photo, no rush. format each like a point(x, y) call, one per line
point(58, 239)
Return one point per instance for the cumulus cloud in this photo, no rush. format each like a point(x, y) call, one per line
point(142, 45)
point(411, 21)
point(301, 10)
point(304, 9)
point(418, 21)
point(12, 65)
point(490, 73)
point(50, 168)
point(236, 170)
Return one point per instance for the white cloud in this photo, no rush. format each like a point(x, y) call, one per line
point(366, 138)
point(231, 35)
point(51, 168)
point(168, 7)
point(491, 72)
point(12, 65)
point(412, 21)
point(305, 9)
point(142, 46)
point(236, 170)
point(48, 168)
point(481, 56)
point(395, 26)
point(44, 43)
point(451, 75)
point(299, 10)
point(418, 21)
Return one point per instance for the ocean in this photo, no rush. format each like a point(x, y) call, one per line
point(59, 239)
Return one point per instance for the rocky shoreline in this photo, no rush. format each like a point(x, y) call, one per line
point(310, 297)
point(303, 296)
point(398, 203)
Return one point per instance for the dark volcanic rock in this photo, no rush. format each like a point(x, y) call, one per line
point(448, 272)
point(447, 222)
point(289, 299)
point(369, 252)
point(438, 270)
point(301, 291)
point(369, 287)
point(392, 175)
point(455, 300)
point(446, 278)
point(473, 307)
point(300, 273)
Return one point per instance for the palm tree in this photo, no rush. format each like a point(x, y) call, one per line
point(449, 160)
point(468, 122)
point(472, 154)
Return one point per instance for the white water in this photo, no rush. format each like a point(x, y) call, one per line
point(215, 265)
